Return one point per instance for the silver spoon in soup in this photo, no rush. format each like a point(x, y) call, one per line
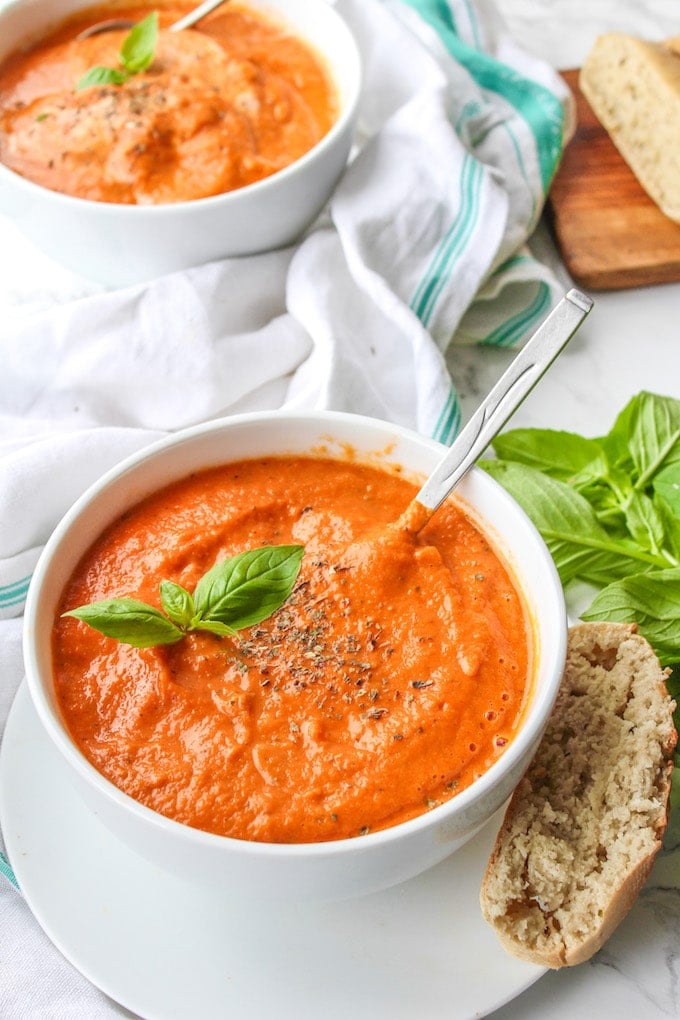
point(381, 551)
point(377, 550)
point(512, 388)
point(113, 24)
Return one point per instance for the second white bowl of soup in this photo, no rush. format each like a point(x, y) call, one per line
point(229, 143)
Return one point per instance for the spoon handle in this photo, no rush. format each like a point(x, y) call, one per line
point(515, 384)
point(193, 16)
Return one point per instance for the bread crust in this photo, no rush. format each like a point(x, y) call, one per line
point(633, 87)
point(569, 860)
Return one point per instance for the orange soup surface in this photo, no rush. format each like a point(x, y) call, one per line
point(395, 674)
point(222, 105)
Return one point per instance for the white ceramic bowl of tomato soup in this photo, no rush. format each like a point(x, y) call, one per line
point(327, 869)
point(119, 244)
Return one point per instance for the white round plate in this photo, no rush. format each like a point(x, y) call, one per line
point(169, 950)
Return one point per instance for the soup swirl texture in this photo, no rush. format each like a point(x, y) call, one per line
point(395, 675)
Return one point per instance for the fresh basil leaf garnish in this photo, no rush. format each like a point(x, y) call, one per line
point(249, 587)
point(129, 621)
point(102, 76)
point(236, 593)
point(136, 55)
point(139, 45)
point(214, 627)
point(177, 603)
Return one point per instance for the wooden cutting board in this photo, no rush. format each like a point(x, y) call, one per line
point(609, 232)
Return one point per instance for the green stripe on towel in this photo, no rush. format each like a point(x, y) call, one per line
point(7, 871)
point(15, 593)
point(538, 107)
point(453, 244)
point(448, 423)
point(511, 331)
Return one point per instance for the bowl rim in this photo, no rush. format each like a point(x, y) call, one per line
point(535, 713)
point(342, 123)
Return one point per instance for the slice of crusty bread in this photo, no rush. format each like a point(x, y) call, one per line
point(633, 87)
point(583, 827)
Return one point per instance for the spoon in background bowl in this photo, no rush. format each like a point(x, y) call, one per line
point(186, 22)
point(515, 384)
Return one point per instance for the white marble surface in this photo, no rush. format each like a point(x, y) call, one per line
point(562, 31)
point(630, 342)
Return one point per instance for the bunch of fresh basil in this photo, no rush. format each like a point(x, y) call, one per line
point(609, 511)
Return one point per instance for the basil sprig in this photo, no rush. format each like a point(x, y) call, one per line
point(236, 593)
point(136, 54)
point(608, 508)
point(609, 511)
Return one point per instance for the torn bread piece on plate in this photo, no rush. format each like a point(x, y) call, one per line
point(585, 823)
point(633, 87)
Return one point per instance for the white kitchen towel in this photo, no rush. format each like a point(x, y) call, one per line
point(423, 245)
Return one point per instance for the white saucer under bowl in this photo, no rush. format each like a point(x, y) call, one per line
point(169, 950)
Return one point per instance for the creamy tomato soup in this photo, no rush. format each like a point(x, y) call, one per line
point(221, 106)
point(395, 674)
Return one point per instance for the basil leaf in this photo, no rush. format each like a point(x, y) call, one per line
point(139, 45)
point(129, 621)
point(177, 603)
point(655, 441)
point(579, 544)
point(666, 485)
point(646, 435)
point(248, 588)
point(561, 455)
point(607, 504)
point(136, 54)
point(644, 522)
point(671, 523)
point(102, 76)
point(652, 600)
point(609, 511)
point(666, 497)
point(214, 627)
point(615, 443)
